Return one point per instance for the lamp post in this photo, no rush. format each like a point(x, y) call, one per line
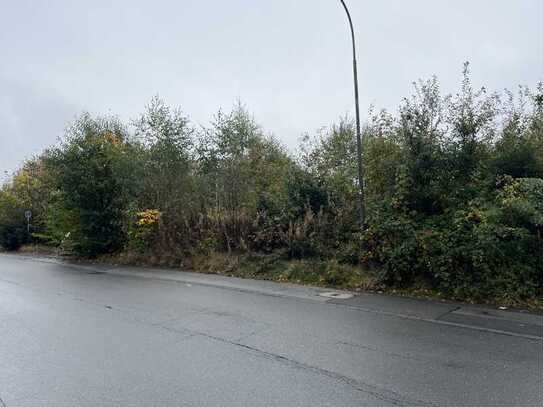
point(362, 211)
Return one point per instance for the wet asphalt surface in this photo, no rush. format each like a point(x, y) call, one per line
point(73, 335)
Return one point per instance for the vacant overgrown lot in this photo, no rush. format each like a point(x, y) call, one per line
point(454, 196)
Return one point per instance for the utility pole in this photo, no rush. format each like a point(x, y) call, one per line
point(362, 209)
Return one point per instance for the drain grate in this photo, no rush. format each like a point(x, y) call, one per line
point(336, 295)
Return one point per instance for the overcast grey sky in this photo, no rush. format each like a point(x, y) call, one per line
point(287, 60)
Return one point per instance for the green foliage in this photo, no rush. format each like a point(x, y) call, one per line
point(243, 180)
point(94, 179)
point(12, 221)
point(166, 142)
point(490, 250)
point(454, 194)
point(521, 201)
point(449, 207)
point(382, 159)
point(28, 190)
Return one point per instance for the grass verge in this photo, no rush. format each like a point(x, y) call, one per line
point(275, 267)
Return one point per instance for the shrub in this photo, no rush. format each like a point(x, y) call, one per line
point(93, 172)
point(13, 231)
point(144, 230)
point(12, 237)
point(491, 250)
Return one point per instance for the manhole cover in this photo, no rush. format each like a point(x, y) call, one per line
point(336, 295)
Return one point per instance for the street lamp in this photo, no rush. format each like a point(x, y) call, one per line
point(362, 211)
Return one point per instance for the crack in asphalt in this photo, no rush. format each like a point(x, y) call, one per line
point(440, 322)
point(384, 352)
point(378, 393)
point(382, 394)
point(447, 313)
point(2, 404)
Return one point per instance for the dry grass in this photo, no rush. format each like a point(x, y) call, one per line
point(273, 267)
point(40, 250)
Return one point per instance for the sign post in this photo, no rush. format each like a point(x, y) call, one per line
point(28, 216)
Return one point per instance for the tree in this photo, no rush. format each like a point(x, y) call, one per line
point(93, 172)
point(470, 115)
point(421, 132)
point(518, 149)
point(166, 138)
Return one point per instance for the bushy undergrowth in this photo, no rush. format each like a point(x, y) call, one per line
point(453, 184)
point(273, 267)
point(493, 251)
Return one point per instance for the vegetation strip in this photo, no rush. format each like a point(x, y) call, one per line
point(454, 196)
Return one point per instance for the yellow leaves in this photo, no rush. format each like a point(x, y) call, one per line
point(145, 229)
point(148, 217)
point(22, 177)
point(112, 138)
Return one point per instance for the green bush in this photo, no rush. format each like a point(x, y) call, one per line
point(13, 231)
point(93, 171)
point(12, 237)
point(494, 251)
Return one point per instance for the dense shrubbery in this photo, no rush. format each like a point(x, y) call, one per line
point(12, 222)
point(463, 213)
point(487, 251)
point(453, 184)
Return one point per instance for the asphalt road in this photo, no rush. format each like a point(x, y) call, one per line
point(73, 335)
